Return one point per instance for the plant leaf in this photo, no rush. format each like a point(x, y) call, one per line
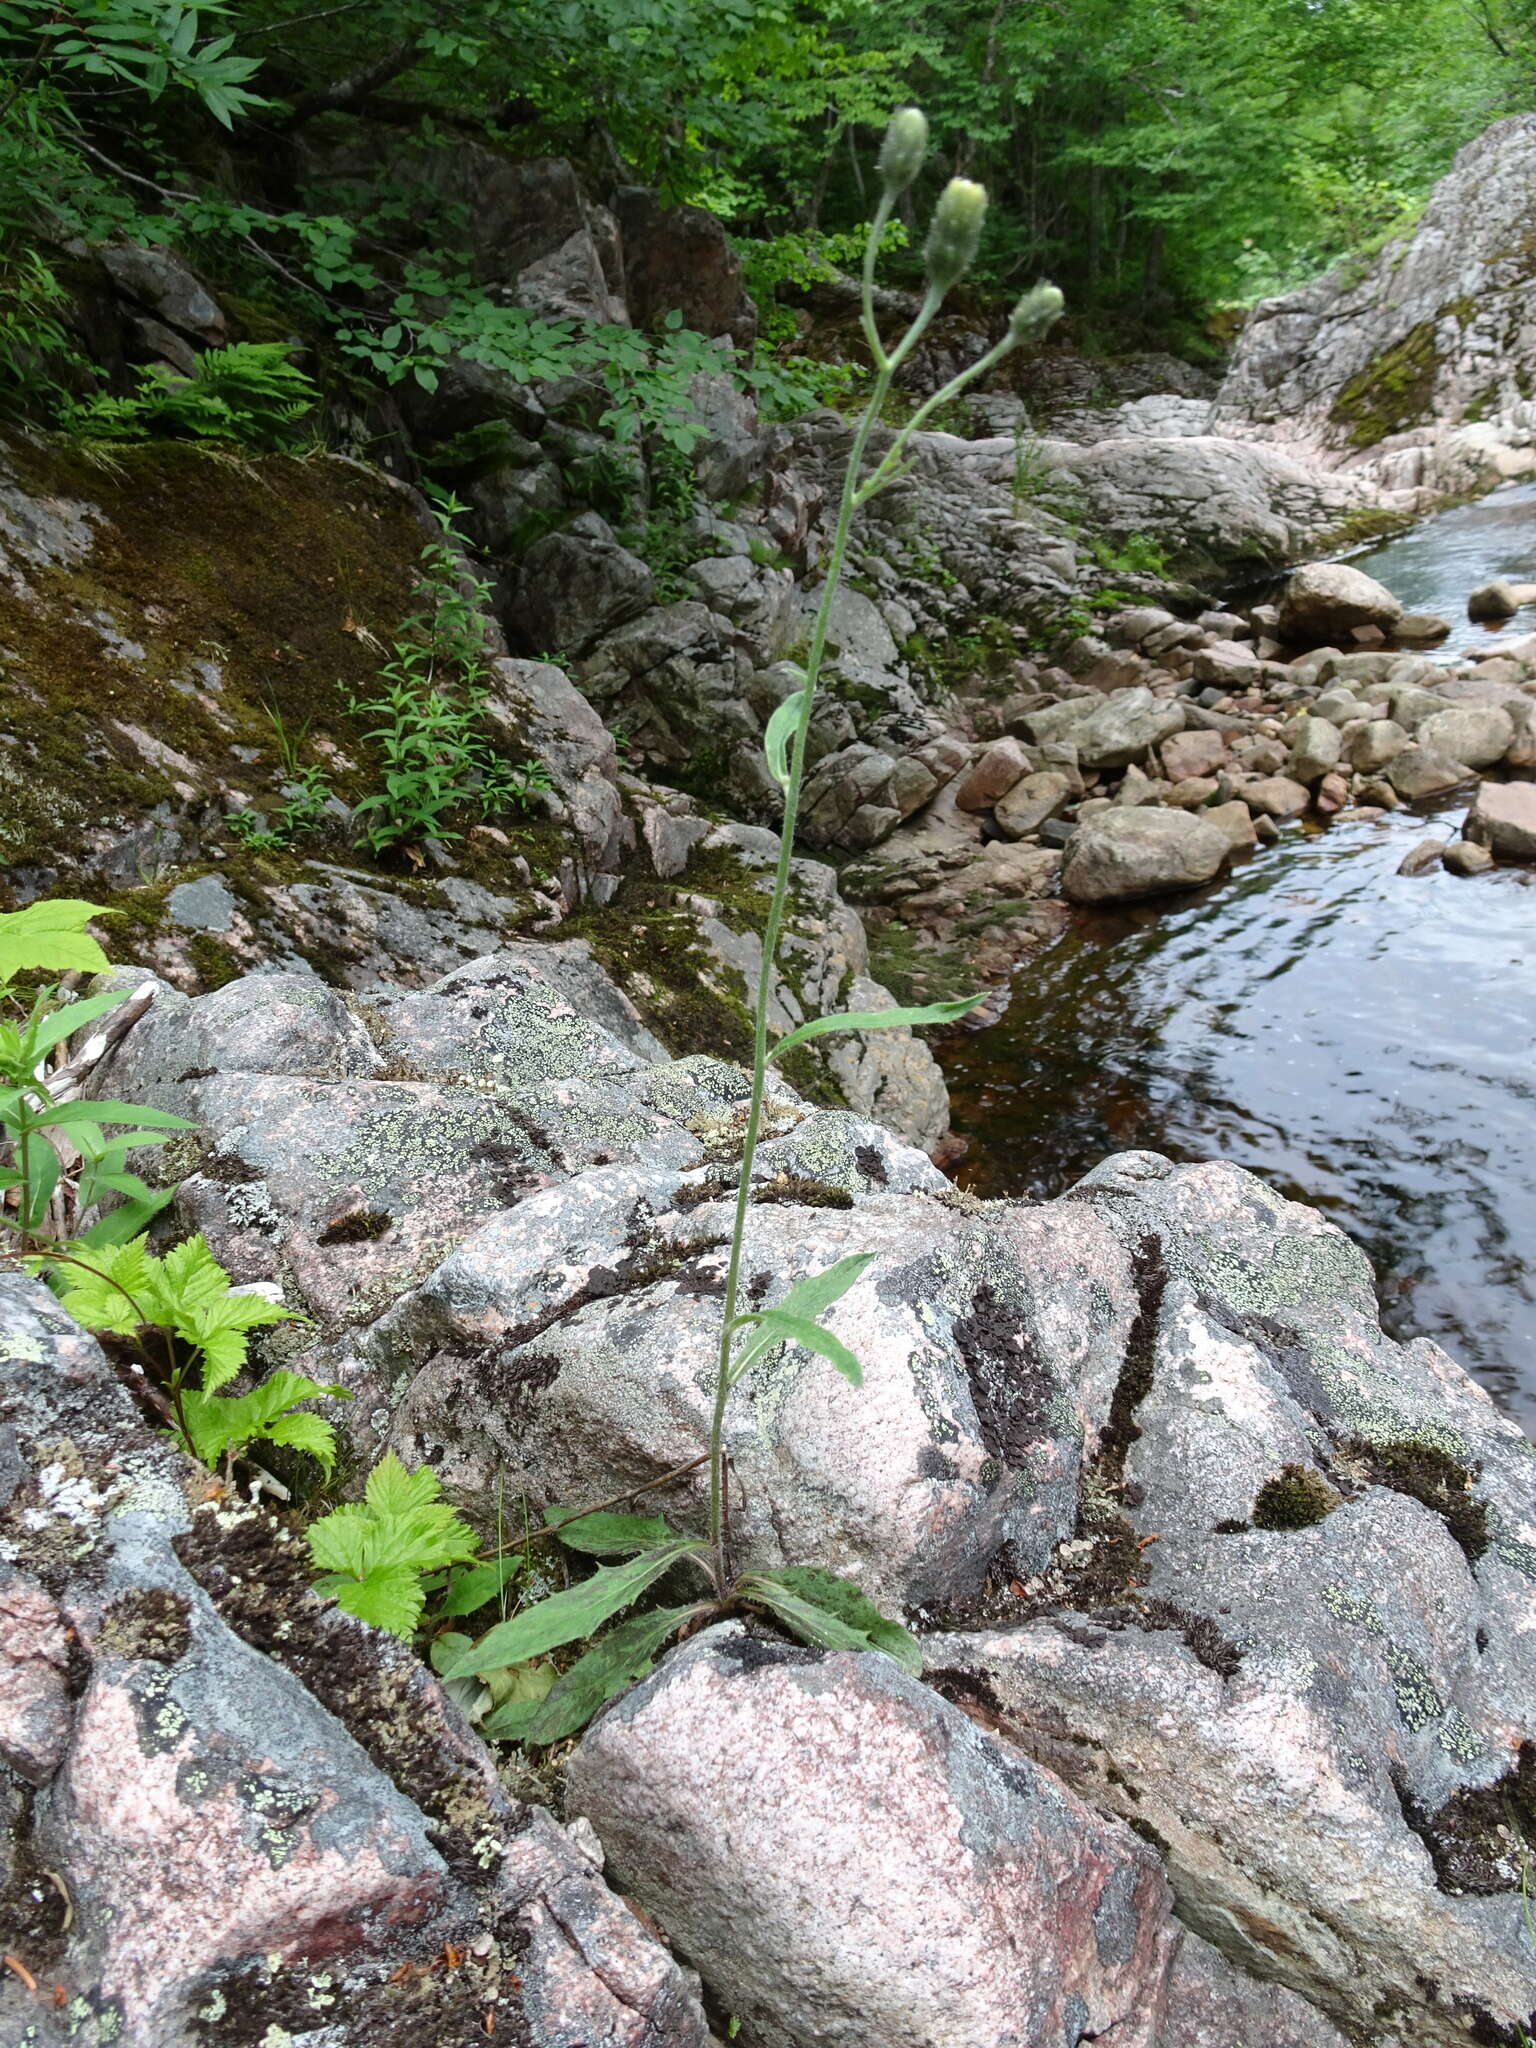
point(849, 1604)
point(774, 1325)
point(876, 1020)
point(813, 1296)
point(829, 1613)
point(568, 1617)
point(473, 1589)
point(390, 1597)
point(51, 936)
point(605, 1535)
point(622, 1656)
point(127, 1220)
point(778, 734)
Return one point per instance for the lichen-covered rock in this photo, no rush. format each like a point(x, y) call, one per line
point(570, 1348)
point(855, 1864)
point(244, 1810)
point(1328, 1719)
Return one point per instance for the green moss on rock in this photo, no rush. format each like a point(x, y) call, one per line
point(1297, 1499)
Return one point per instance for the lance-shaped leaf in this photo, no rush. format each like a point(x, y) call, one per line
point(623, 1655)
point(568, 1617)
point(877, 1020)
point(775, 1327)
point(779, 733)
point(605, 1535)
point(829, 1613)
point(51, 936)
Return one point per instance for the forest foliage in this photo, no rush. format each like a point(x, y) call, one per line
point(1160, 158)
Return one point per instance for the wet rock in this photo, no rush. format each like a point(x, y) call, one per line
point(1421, 629)
point(1478, 734)
point(1424, 858)
point(851, 1860)
point(1314, 751)
point(1032, 801)
point(1003, 764)
point(1328, 599)
point(1503, 817)
point(1276, 796)
point(1332, 794)
point(1120, 856)
point(1323, 1721)
point(1466, 857)
point(1423, 771)
point(1235, 821)
point(1500, 599)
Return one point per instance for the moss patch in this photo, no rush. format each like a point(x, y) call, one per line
point(1298, 1499)
point(1397, 388)
point(1436, 1480)
point(216, 591)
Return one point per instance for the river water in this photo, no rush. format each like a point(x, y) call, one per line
point(1362, 1041)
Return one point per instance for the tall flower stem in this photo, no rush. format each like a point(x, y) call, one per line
point(957, 224)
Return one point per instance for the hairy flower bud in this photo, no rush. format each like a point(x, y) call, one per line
point(903, 150)
point(1035, 314)
point(952, 240)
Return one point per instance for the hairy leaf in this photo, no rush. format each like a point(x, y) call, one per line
point(612, 1663)
point(778, 734)
point(847, 1603)
point(774, 1326)
point(568, 1617)
point(605, 1535)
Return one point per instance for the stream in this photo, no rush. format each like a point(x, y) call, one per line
point(1360, 1040)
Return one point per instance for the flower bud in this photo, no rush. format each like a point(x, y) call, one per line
point(1035, 314)
point(956, 232)
point(903, 150)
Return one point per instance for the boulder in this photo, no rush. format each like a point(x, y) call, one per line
point(1421, 629)
point(1326, 600)
point(575, 586)
point(1466, 857)
point(1235, 821)
point(1478, 734)
point(160, 281)
point(1276, 796)
point(1500, 600)
point(565, 1351)
point(1503, 817)
point(1124, 728)
point(1423, 771)
point(250, 1803)
point(1001, 765)
point(678, 259)
point(1422, 859)
point(1119, 856)
point(1029, 803)
point(1315, 749)
point(1314, 1687)
point(1193, 753)
point(1374, 745)
point(851, 1860)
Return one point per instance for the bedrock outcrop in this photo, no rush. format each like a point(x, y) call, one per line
point(1194, 1546)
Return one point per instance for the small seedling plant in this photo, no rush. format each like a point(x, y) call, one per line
point(634, 1553)
point(57, 1161)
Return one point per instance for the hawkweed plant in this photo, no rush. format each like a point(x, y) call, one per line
point(813, 1604)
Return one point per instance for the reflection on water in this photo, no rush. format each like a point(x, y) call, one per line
point(1436, 567)
point(1362, 1041)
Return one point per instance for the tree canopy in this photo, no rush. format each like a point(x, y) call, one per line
point(1159, 158)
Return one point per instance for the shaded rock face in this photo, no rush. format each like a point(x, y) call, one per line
point(1438, 330)
point(853, 1862)
point(1319, 1696)
point(238, 1832)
